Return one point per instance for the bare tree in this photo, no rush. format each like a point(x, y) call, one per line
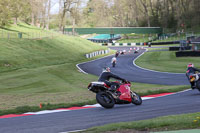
point(48, 14)
point(144, 3)
point(67, 5)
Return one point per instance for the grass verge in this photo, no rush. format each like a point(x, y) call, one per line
point(166, 61)
point(166, 123)
point(47, 106)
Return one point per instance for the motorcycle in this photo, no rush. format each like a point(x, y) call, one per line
point(108, 98)
point(116, 54)
point(113, 63)
point(195, 78)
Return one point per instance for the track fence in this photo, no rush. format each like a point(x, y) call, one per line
point(27, 35)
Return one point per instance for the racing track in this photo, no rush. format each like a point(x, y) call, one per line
point(126, 69)
point(183, 102)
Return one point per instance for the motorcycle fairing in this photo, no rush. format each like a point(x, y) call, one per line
point(125, 92)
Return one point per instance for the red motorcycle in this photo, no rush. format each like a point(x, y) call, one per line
point(108, 98)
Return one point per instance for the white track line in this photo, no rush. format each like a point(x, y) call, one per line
point(77, 65)
point(80, 69)
point(74, 131)
point(150, 69)
point(46, 112)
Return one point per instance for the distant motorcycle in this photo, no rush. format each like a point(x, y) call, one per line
point(113, 63)
point(195, 78)
point(116, 54)
point(107, 98)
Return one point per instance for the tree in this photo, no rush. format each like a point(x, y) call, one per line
point(5, 12)
point(145, 10)
point(48, 14)
point(19, 8)
point(67, 6)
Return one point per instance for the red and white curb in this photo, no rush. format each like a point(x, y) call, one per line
point(75, 108)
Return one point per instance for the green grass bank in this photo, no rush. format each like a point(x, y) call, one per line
point(34, 71)
point(166, 123)
point(166, 61)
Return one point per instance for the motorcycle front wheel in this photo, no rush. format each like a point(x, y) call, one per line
point(198, 85)
point(105, 100)
point(136, 99)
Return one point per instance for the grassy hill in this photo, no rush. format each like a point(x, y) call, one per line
point(34, 71)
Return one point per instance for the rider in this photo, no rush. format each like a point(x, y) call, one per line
point(191, 70)
point(116, 54)
point(114, 59)
point(106, 75)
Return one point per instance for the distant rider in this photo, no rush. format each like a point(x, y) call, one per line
point(117, 54)
point(105, 77)
point(191, 70)
point(114, 59)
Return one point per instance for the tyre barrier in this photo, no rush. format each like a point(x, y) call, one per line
point(96, 53)
point(178, 48)
point(187, 53)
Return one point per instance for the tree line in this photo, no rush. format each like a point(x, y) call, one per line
point(173, 14)
point(34, 12)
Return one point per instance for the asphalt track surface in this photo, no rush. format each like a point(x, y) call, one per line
point(180, 103)
point(126, 69)
point(186, 102)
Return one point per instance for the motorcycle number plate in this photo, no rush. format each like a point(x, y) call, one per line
point(192, 79)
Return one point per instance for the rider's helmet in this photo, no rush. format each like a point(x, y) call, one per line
point(190, 65)
point(106, 69)
point(114, 58)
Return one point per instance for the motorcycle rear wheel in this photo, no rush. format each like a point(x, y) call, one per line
point(105, 100)
point(113, 64)
point(136, 99)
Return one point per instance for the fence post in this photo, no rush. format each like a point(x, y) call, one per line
point(8, 36)
point(20, 35)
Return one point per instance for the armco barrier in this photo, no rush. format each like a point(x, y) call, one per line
point(139, 44)
point(121, 44)
point(93, 54)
